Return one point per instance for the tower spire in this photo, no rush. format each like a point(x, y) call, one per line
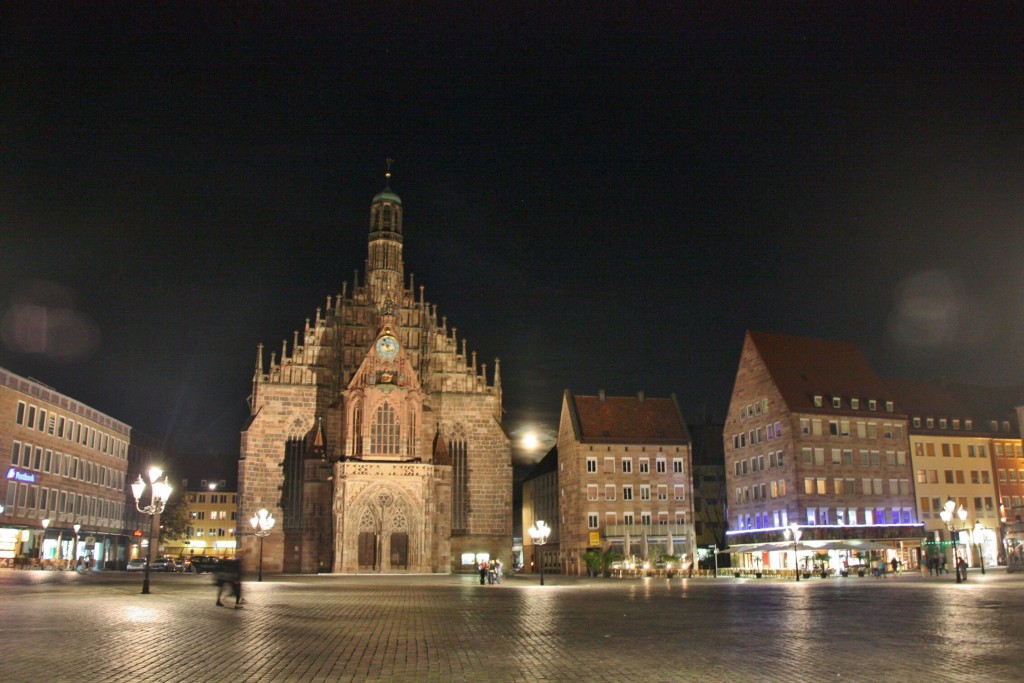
point(387, 172)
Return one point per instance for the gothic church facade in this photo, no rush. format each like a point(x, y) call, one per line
point(374, 438)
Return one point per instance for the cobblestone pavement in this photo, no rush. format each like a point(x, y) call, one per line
point(60, 626)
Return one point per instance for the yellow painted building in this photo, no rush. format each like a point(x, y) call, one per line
point(212, 511)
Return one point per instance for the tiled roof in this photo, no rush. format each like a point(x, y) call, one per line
point(959, 401)
point(803, 367)
point(627, 419)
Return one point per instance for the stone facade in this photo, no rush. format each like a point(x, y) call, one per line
point(814, 437)
point(376, 439)
point(623, 481)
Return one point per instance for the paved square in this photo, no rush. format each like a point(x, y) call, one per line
point(60, 626)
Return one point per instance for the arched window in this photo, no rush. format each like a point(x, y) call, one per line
point(384, 431)
point(357, 430)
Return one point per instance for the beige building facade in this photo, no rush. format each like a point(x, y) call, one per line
point(376, 438)
point(68, 465)
point(624, 481)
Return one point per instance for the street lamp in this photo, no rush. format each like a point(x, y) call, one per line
point(539, 532)
point(954, 534)
point(794, 532)
point(262, 522)
point(160, 491)
point(979, 536)
point(42, 540)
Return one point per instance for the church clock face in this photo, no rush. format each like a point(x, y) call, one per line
point(387, 347)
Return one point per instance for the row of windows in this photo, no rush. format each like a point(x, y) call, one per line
point(757, 463)
point(213, 497)
point(957, 476)
point(199, 533)
point(678, 492)
point(66, 465)
point(848, 486)
point(843, 457)
point(771, 489)
point(756, 436)
point(810, 426)
point(929, 422)
point(628, 519)
point(754, 409)
point(626, 465)
point(948, 450)
point(25, 499)
point(213, 514)
point(50, 423)
point(1011, 502)
point(1009, 476)
point(854, 403)
point(822, 516)
point(933, 506)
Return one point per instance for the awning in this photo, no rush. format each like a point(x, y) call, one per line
point(781, 546)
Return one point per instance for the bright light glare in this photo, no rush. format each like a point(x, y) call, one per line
point(530, 441)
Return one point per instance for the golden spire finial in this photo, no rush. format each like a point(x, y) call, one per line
point(387, 171)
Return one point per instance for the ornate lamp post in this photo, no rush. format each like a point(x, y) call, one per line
point(979, 537)
point(262, 522)
point(160, 491)
point(954, 533)
point(539, 532)
point(793, 532)
point(42, 539)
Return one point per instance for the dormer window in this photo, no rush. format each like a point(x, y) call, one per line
point(872, 404)
point(817, 401)
point(889, 407)
point(1006, 425)
point(930, 423)
point(956, 424)
point(969, 425)
point(942, 423)
point(837, 402)
point(855, 403)
point(917, 422)
point(995, 426)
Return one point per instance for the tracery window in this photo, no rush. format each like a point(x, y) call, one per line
point(384, 431)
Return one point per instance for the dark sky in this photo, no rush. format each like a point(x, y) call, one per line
point(604, 195)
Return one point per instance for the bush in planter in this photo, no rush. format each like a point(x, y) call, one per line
point(599, 562)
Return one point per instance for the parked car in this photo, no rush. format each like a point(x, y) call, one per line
point(163, 564)
point(201, 564)
point(136, 565)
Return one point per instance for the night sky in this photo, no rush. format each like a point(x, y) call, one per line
point(603, 195)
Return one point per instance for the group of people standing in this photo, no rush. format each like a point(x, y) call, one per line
point(490, 572)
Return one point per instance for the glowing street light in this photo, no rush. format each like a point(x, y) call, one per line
point(954, 533)
point(539, 532)
point(160, 491)
point(262, 522)
point(794, 532)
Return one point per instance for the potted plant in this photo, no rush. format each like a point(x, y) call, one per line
point(821, 560)
point(757, 572)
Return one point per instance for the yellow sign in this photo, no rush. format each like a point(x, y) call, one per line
point(595, 538)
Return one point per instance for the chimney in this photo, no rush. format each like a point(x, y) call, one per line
point(640, 396)
point(600, 394)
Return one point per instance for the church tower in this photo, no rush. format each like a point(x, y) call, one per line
point(376, 437)
point(384, 269)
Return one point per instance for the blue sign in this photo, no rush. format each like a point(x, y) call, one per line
point(18, 475)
